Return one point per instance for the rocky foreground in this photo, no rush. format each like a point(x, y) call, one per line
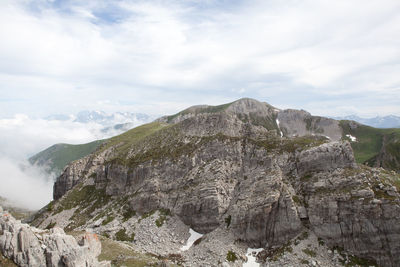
point(245, 175)
point(29, 246)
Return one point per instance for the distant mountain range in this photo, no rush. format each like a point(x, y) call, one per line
point(103, 118)
point(390, 121)
point(56, 157)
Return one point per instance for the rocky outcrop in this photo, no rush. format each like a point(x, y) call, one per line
point(326, 157)
point(299, 122)
point(29, 246)
point(357, 213)
point(70, 177)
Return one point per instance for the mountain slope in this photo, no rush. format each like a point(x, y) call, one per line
point(56, 157)
point(373, 146)
point(244, 174)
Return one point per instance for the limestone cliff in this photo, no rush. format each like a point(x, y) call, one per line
point(262, 173)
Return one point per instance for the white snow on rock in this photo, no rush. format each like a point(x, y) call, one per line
point(251, 257)
point(352, 138)
point(277, 123)
point(192, 238)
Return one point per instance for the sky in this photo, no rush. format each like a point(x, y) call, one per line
point(331, 58)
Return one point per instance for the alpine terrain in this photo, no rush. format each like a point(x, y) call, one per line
point(240, 184)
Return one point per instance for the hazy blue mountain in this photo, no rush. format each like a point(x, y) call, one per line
point(103, 118)
point(390, 121)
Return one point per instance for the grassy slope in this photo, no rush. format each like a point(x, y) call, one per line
point(208, 109)
point(126, 140)
point(60, 155)
point(370, 141)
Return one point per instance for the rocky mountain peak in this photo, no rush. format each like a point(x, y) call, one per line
point(245, 168)
point(249, 105)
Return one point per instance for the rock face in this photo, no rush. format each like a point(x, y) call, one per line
point(300, 122)
point(230, 166)
point(28, 246)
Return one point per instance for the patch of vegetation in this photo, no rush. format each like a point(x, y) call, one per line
point(231, 256)
point(59, 155)
point(321, 242)
point(124, 141)
point(87, 199)
point(275, 253)
point(51, 225)
point(122, 255)
point(290, 145)
point(306, 178)
point(304, 261)
point(357, 261)
point(303, 236)
point(109, 219)
point(50, 206)
point(160, 221)
point(147, 214)
point(353, 260)
point(310, 252)
point(163, 213)
point(382, 194)
point(371, 141)
point(129, 213)
point(121, 235)
point(228, 221)
point(297, 199)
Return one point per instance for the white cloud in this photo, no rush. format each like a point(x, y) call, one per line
point(184, 53)
point(22, 137)
point(24, 185)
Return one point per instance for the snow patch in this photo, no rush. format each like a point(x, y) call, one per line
point(352, 138)
point(277, 123)
point(251, 257)
point(192, 238)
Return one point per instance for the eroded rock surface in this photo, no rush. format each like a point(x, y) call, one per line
point(29, 246)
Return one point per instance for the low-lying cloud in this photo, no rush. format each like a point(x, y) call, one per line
point(24, 185)
point(21, 137)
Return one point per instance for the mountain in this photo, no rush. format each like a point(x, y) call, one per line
point(56, 157)
point(233, 178)
point(103, 118)
point(375, 147)
point(389, 121)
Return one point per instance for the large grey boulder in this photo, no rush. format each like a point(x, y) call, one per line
point(31, 247)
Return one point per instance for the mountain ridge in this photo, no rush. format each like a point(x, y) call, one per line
point(255, 172)
point(389, 121)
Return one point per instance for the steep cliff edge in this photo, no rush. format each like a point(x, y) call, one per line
point(262, 174)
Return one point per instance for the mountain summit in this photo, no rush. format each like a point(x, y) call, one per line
point(244, 174)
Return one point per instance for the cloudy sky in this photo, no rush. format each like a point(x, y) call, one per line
point(158, 57)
